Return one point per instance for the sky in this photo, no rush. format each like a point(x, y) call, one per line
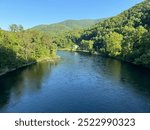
point(30, 13)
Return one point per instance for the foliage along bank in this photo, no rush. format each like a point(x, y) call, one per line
point(125, 36)
point(20, 48)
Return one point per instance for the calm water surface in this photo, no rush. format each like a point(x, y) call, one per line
point(77, 83)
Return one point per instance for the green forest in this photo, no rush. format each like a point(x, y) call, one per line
point(125, 37)
point(19, 48)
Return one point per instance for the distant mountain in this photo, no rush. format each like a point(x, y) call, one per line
point(66, 25)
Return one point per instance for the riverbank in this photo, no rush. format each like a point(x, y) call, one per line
point(103, 55)
point(84, 51)
point(45, 59)
point(74, 50)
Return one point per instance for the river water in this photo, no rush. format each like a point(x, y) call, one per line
point(77, 83)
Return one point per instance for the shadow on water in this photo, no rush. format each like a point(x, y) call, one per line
point(29, 78)
point(8, 60)
point(137, 77)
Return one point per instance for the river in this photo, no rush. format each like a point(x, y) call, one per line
point(78, 82)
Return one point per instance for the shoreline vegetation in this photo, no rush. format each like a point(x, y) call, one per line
point(47, 59)
point(106, 56)
point(103, 55)
point(20, 48)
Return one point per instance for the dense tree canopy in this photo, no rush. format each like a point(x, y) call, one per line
point(125, 36)
point(18, 47)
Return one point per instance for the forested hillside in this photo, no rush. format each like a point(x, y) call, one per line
point(62, 33)
point(67, 25)
point(126, 36)
point(19, 48)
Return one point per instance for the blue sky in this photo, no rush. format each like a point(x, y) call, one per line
point(34, 12)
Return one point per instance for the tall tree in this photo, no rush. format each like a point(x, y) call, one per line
point(13, 28)
point(113, 43)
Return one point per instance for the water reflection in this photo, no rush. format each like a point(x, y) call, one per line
point(130, 75)
point(15, 84)
point(137, 77)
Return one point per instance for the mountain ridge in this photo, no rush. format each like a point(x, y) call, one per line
point(66, 25)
